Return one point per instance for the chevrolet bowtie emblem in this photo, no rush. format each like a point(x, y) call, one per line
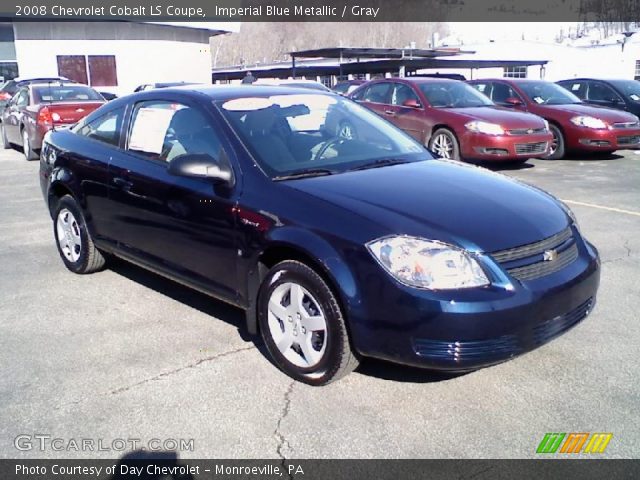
point(549, 255)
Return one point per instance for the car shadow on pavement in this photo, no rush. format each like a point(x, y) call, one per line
point(502, 166)
point(163, 465)
point(592, 156)
point(194, 299)
point(401, 373)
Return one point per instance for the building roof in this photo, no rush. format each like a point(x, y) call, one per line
point(214, 27)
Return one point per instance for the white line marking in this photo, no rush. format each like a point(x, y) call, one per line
point(611, 209)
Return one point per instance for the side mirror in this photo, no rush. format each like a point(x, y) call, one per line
point(199, 165)
point(411, 103)
point(513, 101)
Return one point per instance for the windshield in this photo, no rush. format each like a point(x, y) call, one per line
point(316, 134)
point(628, 88)
point(65, 93)
point(453, 95)
point(547, 93)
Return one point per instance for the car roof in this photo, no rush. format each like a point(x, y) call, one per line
point(227, 92)
point(606, 80)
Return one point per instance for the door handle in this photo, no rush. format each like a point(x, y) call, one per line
point(122, 183)
point(390, 113)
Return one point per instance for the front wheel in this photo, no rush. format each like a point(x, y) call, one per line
point(444, 144)
point(556, 150)
point(302, 325)
point(75, 245)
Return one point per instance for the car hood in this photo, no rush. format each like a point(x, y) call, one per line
point(609, 115)
point(508, 119)
point(443, 200)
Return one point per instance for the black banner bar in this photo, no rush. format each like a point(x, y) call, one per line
point(325, 10)
point(168, 467)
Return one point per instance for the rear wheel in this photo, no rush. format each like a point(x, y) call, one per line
point(3, 137)
point(75, 245)
point(29, 154)
point(556, 149)
point(302, 325)
point(444, 144)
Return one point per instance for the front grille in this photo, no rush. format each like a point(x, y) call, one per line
point(538, 259)
point(623, 125)
point(502, 347)
point(631, 140)
point(526, 131)
point(538, 147)
point(540, 269)
point(533, 248)
point(557, 326)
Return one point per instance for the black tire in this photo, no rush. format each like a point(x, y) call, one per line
point(337, 358)
point(29, 154)
point(86, 257)
point(435, 145)
point(3, 138)
point(558, 139)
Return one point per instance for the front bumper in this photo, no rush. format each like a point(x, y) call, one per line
point(465, 330)
point(589, 139)
point(475, 146)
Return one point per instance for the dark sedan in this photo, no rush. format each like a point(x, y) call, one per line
point(575, 125)
point(619, 94)
point(337, 248)
point(37, 108)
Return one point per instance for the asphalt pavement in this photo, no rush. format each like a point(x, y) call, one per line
point(126, 355)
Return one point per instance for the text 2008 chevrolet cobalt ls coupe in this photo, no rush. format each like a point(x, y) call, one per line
point(337, 247)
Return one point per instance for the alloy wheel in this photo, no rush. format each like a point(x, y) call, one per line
point(443, 146)
point(297, 325)
point(553, 146)
point(69, 238)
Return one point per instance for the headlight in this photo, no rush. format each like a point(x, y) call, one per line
point(478, 126)
point(588, 122)
point(427, 264)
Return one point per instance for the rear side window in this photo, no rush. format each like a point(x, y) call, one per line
point(484, 88)
point(105, 129)
point(21, 98)
point(162, 130)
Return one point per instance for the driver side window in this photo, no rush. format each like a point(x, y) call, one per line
point(163, 130)
point(402, 93)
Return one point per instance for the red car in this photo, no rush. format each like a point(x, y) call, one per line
point(576, 126)
point(455, 121)
point(37, 108)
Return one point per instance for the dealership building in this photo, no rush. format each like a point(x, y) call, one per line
point(114, 56)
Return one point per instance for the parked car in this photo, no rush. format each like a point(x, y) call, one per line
point(618, 94)
point(10, 87)
point(38, 107)
point(347, 87)
point(153, 86)
point(455, 121)
point(576, 126)
point(336, 248)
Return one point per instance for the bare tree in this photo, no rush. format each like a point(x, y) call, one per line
point(269, 42)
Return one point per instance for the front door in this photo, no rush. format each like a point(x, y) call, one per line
point(182, 225)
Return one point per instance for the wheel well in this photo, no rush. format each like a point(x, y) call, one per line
point(276, 254)
point(438, 127)
point(56, 192)
point(557, 125)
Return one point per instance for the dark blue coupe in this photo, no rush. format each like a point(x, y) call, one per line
point(339, 235)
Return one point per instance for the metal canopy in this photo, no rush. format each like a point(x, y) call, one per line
point(350, 52)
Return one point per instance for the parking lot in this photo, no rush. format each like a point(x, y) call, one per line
point(125, 354)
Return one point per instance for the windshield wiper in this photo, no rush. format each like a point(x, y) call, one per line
point(308, 172)
point(379, 163)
